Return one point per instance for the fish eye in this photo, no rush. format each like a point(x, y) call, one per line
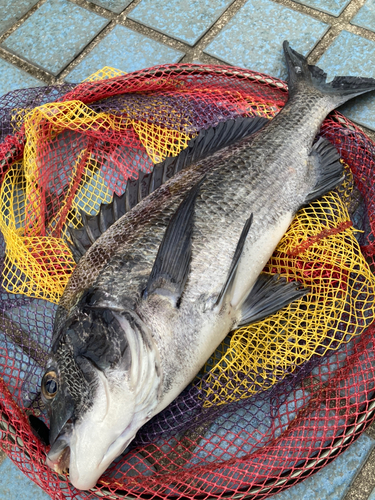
point(49, 385)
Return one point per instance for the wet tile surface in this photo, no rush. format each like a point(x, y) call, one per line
point(332, 482)
point(14, 485)
point(124, 49)
point(365, 17)
point(253, 38)
point(333, 7)
point(186, 21)
point(13, 78)
point(353, 55)
point(116, 6)
point(55, 34)
point(12, 11)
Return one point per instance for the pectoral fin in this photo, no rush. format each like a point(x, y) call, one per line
point(172, 263)
point(325, 160)
point(269, 294)
point(234, 264)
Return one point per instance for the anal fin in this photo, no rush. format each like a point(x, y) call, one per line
point(269, 294)
point(324, 159)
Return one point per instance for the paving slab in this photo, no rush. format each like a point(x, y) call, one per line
point(124, 49)
point(13, 78)
point(55, 34)
point(186, 21)
point(14, 485)
point(12, 11)
point(365, 16)
point(333, 7)
point(254, 36)
point(351, 54)
point(113, 5)
point(332, 482)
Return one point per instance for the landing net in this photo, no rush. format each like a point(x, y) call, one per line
point(278, 399)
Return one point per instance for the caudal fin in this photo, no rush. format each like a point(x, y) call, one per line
point(303, 75)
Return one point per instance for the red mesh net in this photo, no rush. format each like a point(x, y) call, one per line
point(249, 424)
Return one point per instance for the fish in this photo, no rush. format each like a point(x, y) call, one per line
point(162, 279)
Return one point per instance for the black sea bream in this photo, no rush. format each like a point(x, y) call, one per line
point(157, 292)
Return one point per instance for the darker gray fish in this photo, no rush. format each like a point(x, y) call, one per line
point(157, 290)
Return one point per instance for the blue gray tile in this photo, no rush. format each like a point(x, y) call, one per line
point(365, 17)
point(13, 78)
point(333, 481)
point(116, 6)
point(124, 49)
point(12, 11)
point(14, 485)
point(55, 34)
point(253, 38)
point(334, 7)
point(186, 21)
point(353, 55)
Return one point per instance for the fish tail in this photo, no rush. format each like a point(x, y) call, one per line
point(305, 77)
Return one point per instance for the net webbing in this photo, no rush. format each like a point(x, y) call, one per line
point(276, 400)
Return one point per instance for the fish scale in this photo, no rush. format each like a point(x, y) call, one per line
point(156, 293)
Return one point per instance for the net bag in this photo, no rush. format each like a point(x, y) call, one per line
point(278, 399)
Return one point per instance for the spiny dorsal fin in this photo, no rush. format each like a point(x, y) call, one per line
point(205, 143)
point(172, 264)
point(211, 140)
point(325, 160)
point(269, 294)
point(234, 264)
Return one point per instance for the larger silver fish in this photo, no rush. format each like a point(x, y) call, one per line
point(154, 296)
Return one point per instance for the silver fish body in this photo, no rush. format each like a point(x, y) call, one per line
point(129, 338)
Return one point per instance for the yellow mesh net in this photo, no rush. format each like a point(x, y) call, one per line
point(321, 252)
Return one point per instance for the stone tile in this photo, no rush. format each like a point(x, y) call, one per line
point(186, 21)
point(14, 485)
point(254, 36)
point(353, 55)
point(364, 483)
point(55, 34)
point(116, 6)
point(124, 49)
point(333, 481)
point(333, 7)
point(365, 17)
point(13, 78)
point(12, 11)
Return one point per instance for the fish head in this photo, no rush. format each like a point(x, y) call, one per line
point(102, 384)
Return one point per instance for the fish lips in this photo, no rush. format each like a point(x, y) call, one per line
point(58, 457)
point(62, 410)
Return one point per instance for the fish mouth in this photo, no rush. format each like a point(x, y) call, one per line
point(58, 458)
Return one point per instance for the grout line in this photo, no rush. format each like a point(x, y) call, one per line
point(364, 482)
point(27, 66)
point(156, 35)
point(96, 9)
point(3, 456)
point(85, 51)
point(196, 51)
point(20, 21)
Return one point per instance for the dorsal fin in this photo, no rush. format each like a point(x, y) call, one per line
point(204, 144)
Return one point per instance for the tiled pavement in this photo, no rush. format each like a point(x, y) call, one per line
point(48, 41)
